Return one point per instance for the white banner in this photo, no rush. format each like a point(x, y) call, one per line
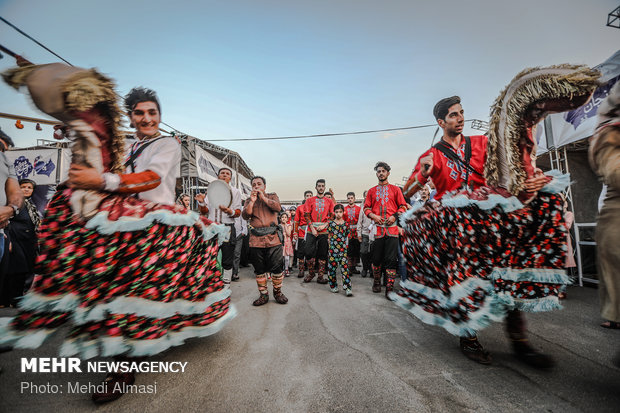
point(572, 126)
point(40, 165)
point(207, 165)
point(244, 186)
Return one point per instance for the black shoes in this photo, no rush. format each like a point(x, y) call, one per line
point(473, 350)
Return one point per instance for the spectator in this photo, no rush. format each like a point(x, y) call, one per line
point(241, 228)
point(183, 200)
point(11, 202)
point(604, 154)
point(287, 246)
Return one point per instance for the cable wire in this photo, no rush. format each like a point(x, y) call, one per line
point(320, 135)
point(34, 40)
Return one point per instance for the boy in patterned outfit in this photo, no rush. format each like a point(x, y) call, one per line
point(338, 238)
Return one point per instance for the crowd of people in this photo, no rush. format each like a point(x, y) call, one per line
point(319, 236)
point(465, 252)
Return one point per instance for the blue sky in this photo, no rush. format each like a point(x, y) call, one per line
point(249, 69)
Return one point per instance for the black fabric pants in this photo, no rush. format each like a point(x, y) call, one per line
point(316, 247)
point(354, 248)
point(228, 255)
point(300, 252)
point(365, 252)
point(267, 260)
point(385, 252)
point(228, 249)
point(244, 261)
point(365, 247)
point(11, 282)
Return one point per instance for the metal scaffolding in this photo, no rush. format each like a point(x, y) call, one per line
point(613, 18)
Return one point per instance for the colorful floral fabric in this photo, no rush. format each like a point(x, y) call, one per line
point(467, 265)
point(338, 236)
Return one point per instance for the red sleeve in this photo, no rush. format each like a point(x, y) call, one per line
point(416, 180)
point(138, 182)
point(307, 209)
point(298, 213)
point(296, 219)
point(368, 201)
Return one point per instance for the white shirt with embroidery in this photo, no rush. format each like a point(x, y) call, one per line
point(164, 158)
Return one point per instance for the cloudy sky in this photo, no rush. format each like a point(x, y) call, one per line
point(252, 69)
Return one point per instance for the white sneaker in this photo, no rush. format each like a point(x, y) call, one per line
point(334, 290)
point(348, 292)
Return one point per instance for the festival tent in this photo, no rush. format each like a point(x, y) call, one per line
point(202, 160)
point(563, 144)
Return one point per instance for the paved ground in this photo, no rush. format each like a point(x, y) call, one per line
point(326, 352)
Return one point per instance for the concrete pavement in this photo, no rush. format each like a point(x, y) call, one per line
point(326, 352)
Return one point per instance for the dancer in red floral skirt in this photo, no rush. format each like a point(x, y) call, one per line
point(133, 273)
point(495, 243)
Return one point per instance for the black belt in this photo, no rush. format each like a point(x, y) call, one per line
point(259, 232)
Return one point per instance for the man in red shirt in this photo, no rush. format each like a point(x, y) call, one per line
point(456, 162)
point(351, 216)
point(437, 163)
point(299, 234)
point(318, 211)
point(383, 204)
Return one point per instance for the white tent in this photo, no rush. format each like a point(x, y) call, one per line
point(202, 160)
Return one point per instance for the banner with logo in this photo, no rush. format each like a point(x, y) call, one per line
point(40, 165)
point(572, 126)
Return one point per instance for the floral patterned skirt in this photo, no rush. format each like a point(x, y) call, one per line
point(136, 284)
point(478, 255)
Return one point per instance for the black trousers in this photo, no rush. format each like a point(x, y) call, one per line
point(385, 252)
point(316, 247)
point(354, 248)
point(300, 252)
point(245, 252)
point(228, 255)
point(228, 249)
point(267, 260)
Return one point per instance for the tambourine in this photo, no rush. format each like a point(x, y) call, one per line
point(219, 193)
